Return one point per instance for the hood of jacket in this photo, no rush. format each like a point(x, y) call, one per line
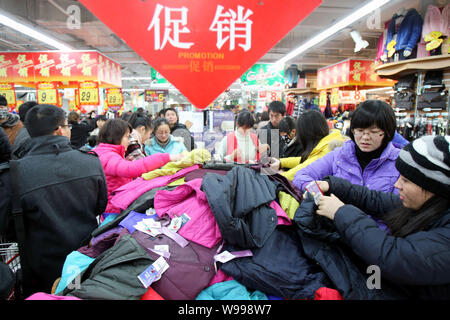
point(333, 140)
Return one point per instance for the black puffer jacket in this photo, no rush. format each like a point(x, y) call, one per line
point(5, 146)
point(240, 203)
point(414, 267)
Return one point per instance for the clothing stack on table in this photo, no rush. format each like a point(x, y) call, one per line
point(221, 234)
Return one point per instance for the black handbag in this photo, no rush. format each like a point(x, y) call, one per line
point(404, 100)
point(433, 78)
point(432, 99)
point(405, 83)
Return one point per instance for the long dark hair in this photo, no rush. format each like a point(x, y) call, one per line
point(137, 120)
point(311, 128)
point(405, 221)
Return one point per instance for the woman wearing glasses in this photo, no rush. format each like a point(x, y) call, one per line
point(368, 159)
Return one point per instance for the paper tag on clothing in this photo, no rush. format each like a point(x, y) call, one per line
point(150, 211)
point(165, 254)
point(175, 224)
point(162, 247)
point(148, 276)
point(141, 226)
point(161, 266)
point(175, 237)
point(152, 224)
point(226, 256)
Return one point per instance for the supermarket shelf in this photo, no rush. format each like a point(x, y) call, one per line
point(396, 70)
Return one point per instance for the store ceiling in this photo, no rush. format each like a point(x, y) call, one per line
point(50, 16)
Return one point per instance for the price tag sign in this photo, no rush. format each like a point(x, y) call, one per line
point(47, 93)
point(323, 100)
point(88, 93)
point(334, 99)
point(114, 97)
point(156, 95)
point(7, 90)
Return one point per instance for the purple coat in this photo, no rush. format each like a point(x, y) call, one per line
point(380, 174)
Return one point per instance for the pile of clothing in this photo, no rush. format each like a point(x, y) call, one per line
point(211, 231)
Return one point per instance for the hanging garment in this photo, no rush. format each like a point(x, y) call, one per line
point(240, 203)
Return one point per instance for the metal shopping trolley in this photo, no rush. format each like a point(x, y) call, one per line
point(9, 254)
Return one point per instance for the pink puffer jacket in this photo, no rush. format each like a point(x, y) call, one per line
point(119, 171)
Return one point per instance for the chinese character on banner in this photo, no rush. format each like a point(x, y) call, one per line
point(234, 25)
point(172, 27)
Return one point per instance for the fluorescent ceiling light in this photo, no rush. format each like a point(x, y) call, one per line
point(31, 32)
point(379, 89)
point(136, 78)
point(355, 16)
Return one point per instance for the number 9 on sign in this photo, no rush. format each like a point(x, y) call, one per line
point(47, 97)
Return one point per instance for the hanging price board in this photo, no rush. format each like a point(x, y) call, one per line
point(88, 93)
point(334, 99)
point(156, 95)
point(114, 97)
point(7, 90)
point(47, 93)
point(323, 100)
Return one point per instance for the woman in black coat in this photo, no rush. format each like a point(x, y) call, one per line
point(415, 252)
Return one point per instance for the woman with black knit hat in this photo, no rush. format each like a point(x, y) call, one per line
point(415, 252)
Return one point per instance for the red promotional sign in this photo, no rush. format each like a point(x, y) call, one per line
point(202, 46)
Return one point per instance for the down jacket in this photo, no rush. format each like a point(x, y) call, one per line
point(419, 262)
point(119, 171)
point(240, 202)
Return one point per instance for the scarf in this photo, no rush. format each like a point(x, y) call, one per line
point(11, 120)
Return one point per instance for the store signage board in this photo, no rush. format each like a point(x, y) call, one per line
point(347, 73)
point(264, 74)
point(7, 90)
point(47, 93)
point(29, 68)
point(88, 93)
point(156, 95)
point(114, 97)
point(201, 47)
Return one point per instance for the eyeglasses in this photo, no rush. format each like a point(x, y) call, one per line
point(67, 125)
point(161, 134)
point(373, 134)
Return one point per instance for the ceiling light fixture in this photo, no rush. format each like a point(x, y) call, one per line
point(31, 32)
point(355, 16)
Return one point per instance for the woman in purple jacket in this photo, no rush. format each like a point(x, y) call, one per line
point(368, 159)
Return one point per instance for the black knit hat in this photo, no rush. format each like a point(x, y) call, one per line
point(426, 162)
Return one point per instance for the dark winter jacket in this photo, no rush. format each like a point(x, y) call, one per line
point(240, 203)
point(322, 243)
point(62, 191)
point(419, 262)
point(113, 275)
point(279, 268)
point(16, 150)
point(5, 146)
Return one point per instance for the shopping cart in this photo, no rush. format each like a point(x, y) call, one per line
point(9, 254)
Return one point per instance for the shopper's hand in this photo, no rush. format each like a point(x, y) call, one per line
point(275, 164)
point(328, 206)
point(176, 157)
point(324, 186)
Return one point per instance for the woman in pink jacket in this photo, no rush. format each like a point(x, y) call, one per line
point(114, 138)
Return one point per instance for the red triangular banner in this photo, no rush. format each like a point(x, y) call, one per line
point(201, 46)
